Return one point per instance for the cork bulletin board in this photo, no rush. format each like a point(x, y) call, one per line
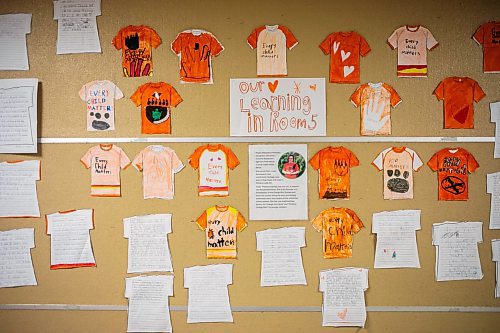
point(203, 117)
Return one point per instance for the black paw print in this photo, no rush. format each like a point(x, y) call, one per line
point(396, 183)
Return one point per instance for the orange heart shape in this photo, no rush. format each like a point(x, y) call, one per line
point(342, 314)
point(272, 86)
point(313, 87)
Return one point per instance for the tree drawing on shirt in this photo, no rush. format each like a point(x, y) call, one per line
point(373, 119)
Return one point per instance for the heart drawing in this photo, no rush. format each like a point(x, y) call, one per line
point(272, 86)
point(335, 47)
point(342, 314)
point(344, 55)
point(312, 87)
point(348, 70)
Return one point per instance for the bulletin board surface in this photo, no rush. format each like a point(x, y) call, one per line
point(65, 183)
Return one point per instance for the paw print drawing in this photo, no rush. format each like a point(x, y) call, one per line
point(397, 182)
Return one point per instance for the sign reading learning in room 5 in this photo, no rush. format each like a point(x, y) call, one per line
point(278, 107)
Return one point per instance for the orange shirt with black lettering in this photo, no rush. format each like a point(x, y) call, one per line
point(195, 49)
point(459, 95)
point(338, 226)
point(453, 166)
point(136, 43)
point(488, 35)
point(333, 164)
point(345, 49)
point(156, 100)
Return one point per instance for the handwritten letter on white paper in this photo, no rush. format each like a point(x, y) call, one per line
point(18, 196)
point(70, 245)
point(148, 249)
point(15, 258)
point(77, 26)
point(208, 296)
point(396, 239)
point(457, 256)
point(148, 308)
point(343, 296)
point(18, 115)
point(13, 51)
point(281, 256)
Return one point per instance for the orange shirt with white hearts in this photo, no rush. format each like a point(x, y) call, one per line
point(271, 42)
point(376, 100)
point(195, 49)
point(453, 166)
point(488, 35)
point(345, 49)
point(158, 165)
point(459, 95)
point(398, 164)
point(213, 163)
point(221, 224)
point(105, 162)
point(412, 43)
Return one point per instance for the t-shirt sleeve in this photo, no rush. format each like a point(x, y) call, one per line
point(431, 42)
point(202, 220)
point(215, 46)
point(175, 98)
point(416, 161)
point(433, 162)
point(353, 160)
point(439, 91)
point(315, 160)
point(154, 38)
point(317, 223)
point(83, 92)
point(118, 92)
point(137, 95)
point(393, 39)
point(232, 160)
point(138, 161)
point(117, 40)
point(252, 38)
point(472, 164)
point(478, 92)
point(291, 41)
point(479, 35)
point(356, 224)
point(395, 98)
point(326, 45)
point(87, 158)
point(356, 96)
point(48, 224)
point(176, 45)
point(378, 162)
point(124, 160)
point(177, 164)
point(194, 159)
point(364, 48)
point(241, 223)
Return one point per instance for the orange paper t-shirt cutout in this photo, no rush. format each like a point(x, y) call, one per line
point(459, 95)
point(136, 43)
point(334, 165)
point(345, 49)
point(156, 100)
point(338, 226)
point(453, 166)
